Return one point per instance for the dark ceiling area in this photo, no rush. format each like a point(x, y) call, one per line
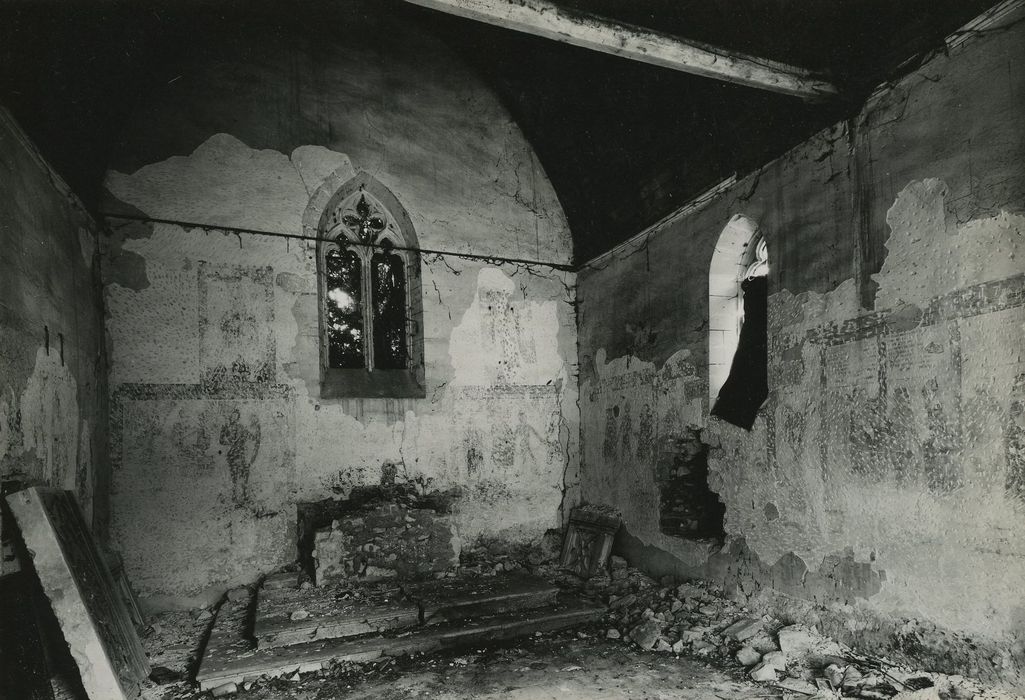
point(624, 143)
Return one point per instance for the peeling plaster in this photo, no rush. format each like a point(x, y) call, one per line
point(884, 432)
point(881, 492)
point(222, 182)
point(503, 339)
point(52, 365)
point(929, 252)
point(192, 405)
point(49, 419)
point(316, 164)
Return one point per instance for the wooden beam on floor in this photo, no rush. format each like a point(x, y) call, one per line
point(546, 19)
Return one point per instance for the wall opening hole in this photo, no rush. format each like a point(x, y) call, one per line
point(688, 507)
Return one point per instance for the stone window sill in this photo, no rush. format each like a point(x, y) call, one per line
point(378, 384)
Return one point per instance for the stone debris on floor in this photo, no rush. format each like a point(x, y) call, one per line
point(687, 624)
point(307, 628)
point(699, 620)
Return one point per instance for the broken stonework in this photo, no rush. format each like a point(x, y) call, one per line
point(743, 629)
point(386, 541)
point(748, 656)
point(646, 634)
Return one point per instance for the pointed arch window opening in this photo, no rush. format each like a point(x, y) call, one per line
point(365, 287)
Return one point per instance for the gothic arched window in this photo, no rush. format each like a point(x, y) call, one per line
point(368, 274)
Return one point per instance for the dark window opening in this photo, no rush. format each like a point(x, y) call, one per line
point(389, 320)
point(344, 309)
point(747, 385)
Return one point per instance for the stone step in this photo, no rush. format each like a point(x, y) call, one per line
point(230, 659)
point(295, 616)
point(287, 616)
point(460, 599)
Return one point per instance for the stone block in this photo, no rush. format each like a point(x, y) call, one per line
point(763, 672)
point(743, 629)
point(383, 542)
point(798, 643)
point(776, 659)
point(748, 656)
point(646, 634)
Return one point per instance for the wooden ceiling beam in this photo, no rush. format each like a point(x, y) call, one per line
point(546, 19)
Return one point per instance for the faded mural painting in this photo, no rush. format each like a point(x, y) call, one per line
point(218, 424)
point(882, 480)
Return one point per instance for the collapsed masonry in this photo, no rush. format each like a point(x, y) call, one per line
point(793, 660)
point(489, 592)
point(391, 581)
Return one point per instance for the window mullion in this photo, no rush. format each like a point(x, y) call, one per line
point(368, 311)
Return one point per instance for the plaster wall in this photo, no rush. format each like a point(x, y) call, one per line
point(53, 413)
point(882, 485)
point(218, 429)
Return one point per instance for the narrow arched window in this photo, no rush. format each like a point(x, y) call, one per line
point(738, 323)
point(370, 312)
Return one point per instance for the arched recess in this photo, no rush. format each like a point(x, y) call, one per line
point(360, 224)
point(730, 262)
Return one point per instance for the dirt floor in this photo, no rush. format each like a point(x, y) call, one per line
point(571, 665)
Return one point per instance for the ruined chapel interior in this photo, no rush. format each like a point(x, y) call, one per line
point(512, 348)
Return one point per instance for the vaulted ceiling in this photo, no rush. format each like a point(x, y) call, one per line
point(624, 143)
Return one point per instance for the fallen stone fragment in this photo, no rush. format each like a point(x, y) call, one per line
point(797, 685)
point(851, 676)
point(776, 659)
point(763, 643)
point(798, 642)
point(226, 689)
point(748, 656)
point(689, 590)
point(702, 648)
point(923, 694)
point(299, 615)
point(693, 634)
point(663, 645)
point(678, 646)
point(834, 674)
point(646, 634)
point(763, 672)
point(627, 600)
point(613, 633)
point(743, 629)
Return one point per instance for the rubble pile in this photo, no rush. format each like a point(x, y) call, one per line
point(796, 661)
point(491, 556)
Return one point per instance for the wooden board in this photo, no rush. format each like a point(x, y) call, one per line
point(293, 616)
point(82, 593)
